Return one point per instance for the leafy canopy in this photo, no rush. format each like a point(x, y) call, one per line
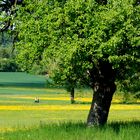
point(71, 37)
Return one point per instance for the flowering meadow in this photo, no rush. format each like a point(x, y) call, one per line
point(54, 116)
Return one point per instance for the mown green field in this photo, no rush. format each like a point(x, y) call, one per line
point(20, 79)
point(54, 117)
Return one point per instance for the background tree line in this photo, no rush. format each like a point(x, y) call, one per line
point(7, 35)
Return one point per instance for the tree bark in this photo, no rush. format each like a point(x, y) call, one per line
point(72, 95)
point(101, 102)
point(104, 88)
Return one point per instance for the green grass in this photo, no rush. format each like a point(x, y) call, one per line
point(21, 79)
point(51, 125)
point(76, 131)
point(11, 119)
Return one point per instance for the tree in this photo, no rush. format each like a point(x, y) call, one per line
point(33, 33)
point(90, 42)
point(8, 10)
point(100, 46)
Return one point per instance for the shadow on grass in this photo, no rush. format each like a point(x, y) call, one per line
point(32, 85)
point(115, 126)
point(121, 103)
point(76, 131)
point(81, 102)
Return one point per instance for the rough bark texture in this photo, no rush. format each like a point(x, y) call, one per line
point(104, 88)
point(72, 95)
point(100, 104)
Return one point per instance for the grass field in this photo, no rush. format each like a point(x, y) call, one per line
point(54, 117)
point(77, 131)
point(20, 79)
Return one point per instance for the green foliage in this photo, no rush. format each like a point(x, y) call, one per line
point(38, 70)
point(71, 37)
point(7, 62)
point(8, 11)
point(5, 52)
point(7, 65)
point(6, 39)
point(130, 86)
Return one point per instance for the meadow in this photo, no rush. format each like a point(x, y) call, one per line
point(55, 117)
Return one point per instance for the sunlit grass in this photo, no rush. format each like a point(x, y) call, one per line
point(20, 93)
point(76, 131)
point(19, 113)
point(65, 107)
point(45, 107)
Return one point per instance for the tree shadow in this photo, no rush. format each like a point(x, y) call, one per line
point(32, 85)
point(81, 102)
point(116, 126)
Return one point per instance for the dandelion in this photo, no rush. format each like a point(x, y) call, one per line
point(66, 107)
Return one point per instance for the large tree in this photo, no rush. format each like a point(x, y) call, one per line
point(89, 42)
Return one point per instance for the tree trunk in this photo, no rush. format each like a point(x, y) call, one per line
point(101, 102)
point(72, 95)
point(104, 88)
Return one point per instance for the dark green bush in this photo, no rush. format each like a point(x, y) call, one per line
point(38, 70)
point(8, 65)
point(5, 52)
